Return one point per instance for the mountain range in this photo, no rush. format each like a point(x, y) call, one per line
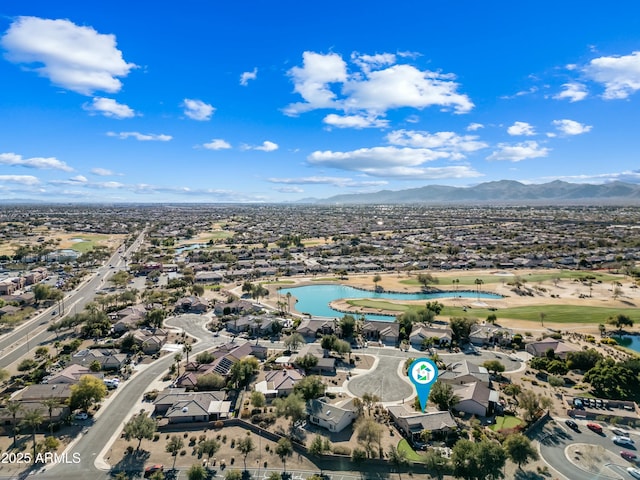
point(503, 192)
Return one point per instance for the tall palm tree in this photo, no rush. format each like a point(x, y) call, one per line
point(186, 349)
point(177, 358)
point(33, 419)
point(14, 408)
point(51, 404)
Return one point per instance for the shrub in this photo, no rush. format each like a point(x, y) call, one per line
point(341, 450)
point(156, 437)
point(218, 424)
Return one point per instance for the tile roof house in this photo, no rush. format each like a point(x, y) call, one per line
point(420, 332)
point(200, 406)
point(490, 334)
point(386, 332)
point(560, 348)
point(334, 418)
point(475, 399)
point(36, 393)
point(413, 423)
point(108, 359)
point(312, 328)
point(192, 304)
point(71, 375)
point(459, 373)
point(280, 383)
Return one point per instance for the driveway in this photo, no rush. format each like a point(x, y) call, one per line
point(382, 381)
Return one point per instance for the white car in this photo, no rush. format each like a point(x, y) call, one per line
point(82, 416)
point(622, 440)
point(634, 472)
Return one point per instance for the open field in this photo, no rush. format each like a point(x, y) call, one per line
point(80, 242)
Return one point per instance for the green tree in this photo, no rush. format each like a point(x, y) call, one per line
point(293, 341)
point(155, 317)
point(319, 445)
point(427, 279)
point(443, 396)
point(348, 326)
point(245, 446)
point(376, 279)
point(208, 447)
point(519, 449)
point(398, 458)
point(186, 349)
point(368, 434)
point(174, 445)
point(461, 328)
point(478, 460)
point(292, 407)
point(140, 427)
point(33, 419)
point(310, 387)
point(495, 366)
point(50, 404)
point(258, 399)
point(210, 381)
point(205, 358)
point(612, 380)
point(369, 400)
point(87, 391)
point(437, 464)
point(196, 472)
point(307, 362)
point(233, 475)
point(533, 404)
point(284, 449)
point(242, 371)
point(14, 407)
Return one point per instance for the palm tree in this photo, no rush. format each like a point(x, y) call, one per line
point(33, 419)
point(289, 302)
point(14, 408)
point(51, 404)
point(177, 358)
point(186, 349)
point(284, 449)
point(478, 282)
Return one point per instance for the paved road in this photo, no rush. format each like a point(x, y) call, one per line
point(558, 437)
point(18, 343)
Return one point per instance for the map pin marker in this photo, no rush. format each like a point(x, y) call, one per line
point(423, 373)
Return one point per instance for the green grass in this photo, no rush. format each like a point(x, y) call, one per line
point(507, 422)
point(88, 243)
point(470, 280)
point(325, 279)
point(553, 313)
point(412, 455)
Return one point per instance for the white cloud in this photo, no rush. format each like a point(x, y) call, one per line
point(571, 127)
point(217, 144)
point(74, 57)
point(395, 162)
point(443, 141)
point(49, 163)
point(109, 108)
point(519, 151)
point(19, 179)
point(143, 137)
point(266, 146)
point(573, 91)
point(322, 180)
point(354, 121)
point(629, 176)
point(373, 62)
point(197, 109)
point(620, 75)
point(323, 81)
point(474, 126)
point(289, 189)
point(246, 76)
point(102, 172)
point(79, 179)
point(521, 128)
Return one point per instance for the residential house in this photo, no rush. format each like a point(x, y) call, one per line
point(412, 423)
point(192, 304)
point(487, 334)
point(420, 332)
point(280, 383)
point(325, 364)
point(180, 406)
point(460, 373)
point(108, 359)
point(312, 328)
point(540, 348)
point(238, 307)
point(475, 399)
point(39, 392)
point(150, 340)
point(386, 333)
point(334, 418)
point(71, 375)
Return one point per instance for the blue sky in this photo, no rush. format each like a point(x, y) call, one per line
point(253, 101)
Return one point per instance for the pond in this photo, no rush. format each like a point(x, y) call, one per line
point(315, 299)
point(632, 342)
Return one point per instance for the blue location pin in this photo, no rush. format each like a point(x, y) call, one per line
point(423, 373)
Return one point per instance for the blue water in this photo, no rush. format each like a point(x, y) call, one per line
point(631, 342)
point(315, 299)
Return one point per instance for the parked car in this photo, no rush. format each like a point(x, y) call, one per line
point(151, 469)
point(622, 441)
point(618, 431)
point(82, 416)
point(594, 427)
point(572, 425)
point(630, 456)
point(634, 472)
